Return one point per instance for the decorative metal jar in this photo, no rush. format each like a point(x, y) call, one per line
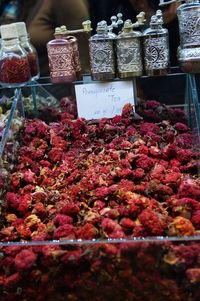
point(156, 47)
point(102, 54)
point(129, 54)
point(189, 29)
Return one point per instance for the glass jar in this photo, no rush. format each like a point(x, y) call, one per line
point(60, 55)
point(14, 65)
point(30, 50)
point(102, 54)
point(156, 47)
point(129, 54)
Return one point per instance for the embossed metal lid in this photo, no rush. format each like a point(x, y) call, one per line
point(127, 31)
point(102, 32)
point(156, 26)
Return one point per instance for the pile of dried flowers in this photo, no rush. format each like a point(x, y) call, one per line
point(117, 178)
point(113, 178)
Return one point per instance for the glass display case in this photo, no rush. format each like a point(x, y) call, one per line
point(91, 227)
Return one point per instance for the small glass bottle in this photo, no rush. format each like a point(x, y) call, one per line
point(102, 55)
point(129, 53)
point(74, 43)
point(60, 55)
point(30, 50)
point(156, 47)
point(14, 65)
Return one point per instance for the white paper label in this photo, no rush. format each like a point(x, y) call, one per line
point(103, 100)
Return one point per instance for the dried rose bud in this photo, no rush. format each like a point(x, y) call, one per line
point(180, 127)
point(25, 260)
point(180, 227)
point(61, 219)
point(65, 232)
point(12, 281)
point(88, 231)
point(13, 200)
point(189, 188)
point(153, 223)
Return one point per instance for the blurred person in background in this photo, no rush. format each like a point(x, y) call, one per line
point(41, 18)
point(104, 9)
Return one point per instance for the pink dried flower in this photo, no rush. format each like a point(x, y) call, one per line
point(153, 223)
point(144, 162)
point(25, 260)
point(24, 204)
point(189, 188)
point(180, 127)
point(61, 219)
point(196, 219)
point(185, 207)
point(152, 104)
point(173, 179)
point(66, 231)
point(55, 154)
point(71, 209)
point(72, 258)
point(148, 127)
point(88, 231)
point(138, 173)
point(13, 200)
point(39, 210)
point(127, 109)
point(112, 229)
point(12, 281)
point(127, 224)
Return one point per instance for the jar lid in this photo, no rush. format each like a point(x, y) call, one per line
point(21, 29)
point(63, 29)
point(57, 31)
point(9, 31)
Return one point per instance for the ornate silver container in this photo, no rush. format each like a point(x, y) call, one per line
point(129, 57)
point(156, 47)
point(102, 55)
point(189, 28)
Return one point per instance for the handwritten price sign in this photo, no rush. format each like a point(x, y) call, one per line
point(101, 100)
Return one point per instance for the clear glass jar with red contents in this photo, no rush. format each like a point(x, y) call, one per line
point(14, 65)
point(30, 50)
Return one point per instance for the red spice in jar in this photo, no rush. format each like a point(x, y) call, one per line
point(14, 70)
point(33, 64)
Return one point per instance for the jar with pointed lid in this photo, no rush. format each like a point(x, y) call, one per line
point(156, 47)
point(129, 52)
point(14, 65)
point(74, 44)
point(102, 55)
point(60, 55)
point(30, 50)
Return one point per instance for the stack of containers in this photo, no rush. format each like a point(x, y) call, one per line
point(130, 53)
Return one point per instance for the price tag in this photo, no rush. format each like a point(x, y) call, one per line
point(103, 100)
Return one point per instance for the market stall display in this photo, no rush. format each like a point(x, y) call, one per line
point(100, 209)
